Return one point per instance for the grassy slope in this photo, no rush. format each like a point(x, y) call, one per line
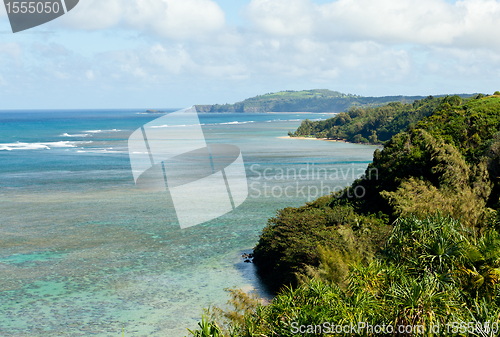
point(373, 125)
point(450, 160)
point(439, 263)
point(318, 100)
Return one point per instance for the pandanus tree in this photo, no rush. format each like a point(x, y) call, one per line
point(479, 273)
point(432, 272)
point(429, 246)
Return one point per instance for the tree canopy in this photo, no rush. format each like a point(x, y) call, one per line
point(420, 247)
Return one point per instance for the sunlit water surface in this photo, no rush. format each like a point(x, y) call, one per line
point(84, 252)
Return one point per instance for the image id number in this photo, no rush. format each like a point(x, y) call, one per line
point(32, 7)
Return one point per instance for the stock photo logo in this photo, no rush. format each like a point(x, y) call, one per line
point(28, 14)
point(204, 181)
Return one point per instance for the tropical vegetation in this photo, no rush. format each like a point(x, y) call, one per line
point(376, 125)
point(419, 248)
point(318, 100)
point(433, 277)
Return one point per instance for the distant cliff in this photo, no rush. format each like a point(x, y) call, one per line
point(318, 100)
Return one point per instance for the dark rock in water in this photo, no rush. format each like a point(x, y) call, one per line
point(248, 257)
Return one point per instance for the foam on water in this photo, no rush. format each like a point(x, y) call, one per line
point(83, 252)
point(36, 146)
point(77, 135)
point(102, 131)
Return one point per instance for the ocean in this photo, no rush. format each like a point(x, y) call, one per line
point(84, 252)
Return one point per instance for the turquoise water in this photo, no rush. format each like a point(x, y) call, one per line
point(84, 252)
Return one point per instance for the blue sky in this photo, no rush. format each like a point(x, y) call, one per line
point(176, 53)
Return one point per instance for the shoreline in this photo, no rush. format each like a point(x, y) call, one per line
point(312, 138)
point(331, 140)
point(268, 112)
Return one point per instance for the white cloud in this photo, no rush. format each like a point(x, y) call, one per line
point(462, 63)
point(402, 21)
point(3, 82)
point(436, 22)
point(11, 49)
point(283, 17)
point(95, 14)
point(171, 62)
point(90, 75)
point(174, 60)
point(370, 47)
point(176, 19)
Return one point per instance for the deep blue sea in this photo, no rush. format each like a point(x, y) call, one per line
point(84, 252)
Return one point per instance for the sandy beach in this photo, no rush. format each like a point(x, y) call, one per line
point(312, 138)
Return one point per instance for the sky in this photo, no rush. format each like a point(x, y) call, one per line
point(177, 53)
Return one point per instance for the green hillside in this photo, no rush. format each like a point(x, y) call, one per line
point(414, 243)
point(318, 100)
point(373, 125)
point(449, 160)
point(379, 124)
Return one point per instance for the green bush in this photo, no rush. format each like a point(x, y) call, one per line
point(372, 125)
point(290, 240)
point(441, 262)
point(432, 271)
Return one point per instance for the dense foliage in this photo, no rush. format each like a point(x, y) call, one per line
point(418, 172)
point(419, 247)
point(470, 127)
point(375, 125)
point(291, 240)
point(319, 100)
point(449, 160)
point(435, 274)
